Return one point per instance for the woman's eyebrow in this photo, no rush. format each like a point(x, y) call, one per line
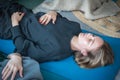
point(93, 40)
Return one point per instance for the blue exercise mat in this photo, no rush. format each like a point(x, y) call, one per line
point(67, 69)
point(70, 70)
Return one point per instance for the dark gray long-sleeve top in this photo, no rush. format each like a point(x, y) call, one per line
point(43, 42)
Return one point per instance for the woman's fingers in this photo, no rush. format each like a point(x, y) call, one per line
point(8, 73)
point(53, 15)
point(17, 15)
point(21, 72)
point(5, 68)
point(14, 73)
point(22, 14)
point(53, 20)
point(46, 18)
point(41, 18)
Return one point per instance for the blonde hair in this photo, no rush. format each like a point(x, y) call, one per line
point(103, 56)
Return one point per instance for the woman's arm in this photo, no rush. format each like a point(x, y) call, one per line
point(14, 64)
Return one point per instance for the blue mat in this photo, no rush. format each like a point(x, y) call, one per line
point(67, 69)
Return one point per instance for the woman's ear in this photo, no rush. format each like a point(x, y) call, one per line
point(84, 52)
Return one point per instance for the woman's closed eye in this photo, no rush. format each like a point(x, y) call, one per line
point(91, 41)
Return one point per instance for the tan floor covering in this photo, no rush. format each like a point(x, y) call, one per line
point(109, 26)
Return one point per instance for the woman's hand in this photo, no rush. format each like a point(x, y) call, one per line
point(45, 19)
point(13, 66)
point(16, 17)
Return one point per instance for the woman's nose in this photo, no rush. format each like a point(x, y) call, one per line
point(89, 35)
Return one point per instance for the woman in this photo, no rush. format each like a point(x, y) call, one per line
point(50, 37)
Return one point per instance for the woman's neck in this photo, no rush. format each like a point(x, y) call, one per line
point(74, 43)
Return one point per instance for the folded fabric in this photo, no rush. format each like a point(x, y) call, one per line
point(93, 9)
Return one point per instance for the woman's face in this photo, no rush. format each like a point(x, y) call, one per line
point(89, 41)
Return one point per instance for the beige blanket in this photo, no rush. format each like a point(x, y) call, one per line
point(93, 9)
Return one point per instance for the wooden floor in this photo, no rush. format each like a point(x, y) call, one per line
point(109, 26)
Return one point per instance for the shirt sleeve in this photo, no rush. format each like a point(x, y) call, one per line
point(18, 39)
